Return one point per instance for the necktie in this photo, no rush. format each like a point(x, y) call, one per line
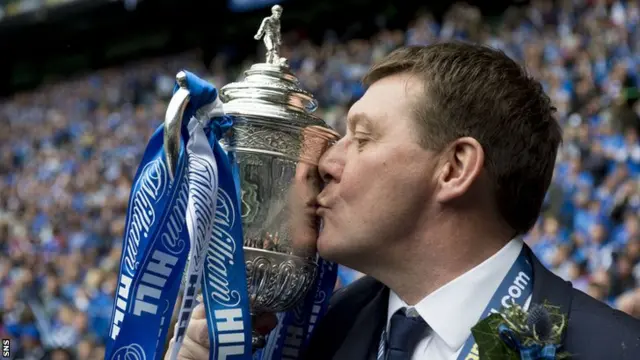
point(404, 333)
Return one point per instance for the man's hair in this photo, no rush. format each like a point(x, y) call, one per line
point(473, 90)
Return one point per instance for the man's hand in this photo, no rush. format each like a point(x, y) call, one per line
point(196, 341)
point(304, 223)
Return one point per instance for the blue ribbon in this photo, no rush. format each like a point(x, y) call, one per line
point(531, 352)
point(515, 288)
point(155, 248)
point(201, 94)
point(202, 191)
point(224, 282)
point(326, 282)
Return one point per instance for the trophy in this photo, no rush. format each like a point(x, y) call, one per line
point(276, 143)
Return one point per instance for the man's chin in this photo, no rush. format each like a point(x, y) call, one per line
point(332, 249)
point(324, 248)
point(328, 247)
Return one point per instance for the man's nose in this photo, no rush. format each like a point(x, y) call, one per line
point(332, 162)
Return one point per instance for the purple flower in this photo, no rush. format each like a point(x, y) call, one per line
point(539, 321)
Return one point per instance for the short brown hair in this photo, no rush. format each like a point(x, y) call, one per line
point(473, 90)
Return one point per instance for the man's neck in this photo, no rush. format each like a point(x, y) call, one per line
point(419, 267)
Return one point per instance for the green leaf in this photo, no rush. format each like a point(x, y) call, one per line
point(490, 345)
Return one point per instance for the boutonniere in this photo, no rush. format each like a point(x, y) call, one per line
point(516, 334)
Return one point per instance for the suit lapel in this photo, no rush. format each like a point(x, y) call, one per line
point(549, 287)
point(348, 327)
point(363, 337)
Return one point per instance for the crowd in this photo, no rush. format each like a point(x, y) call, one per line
point(68, 153)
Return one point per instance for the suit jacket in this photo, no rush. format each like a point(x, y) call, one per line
point(352, 326)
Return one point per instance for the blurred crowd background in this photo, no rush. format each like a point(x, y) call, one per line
point(69, 150)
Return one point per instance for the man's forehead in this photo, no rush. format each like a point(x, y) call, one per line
point(389, 95)
point(363, 113)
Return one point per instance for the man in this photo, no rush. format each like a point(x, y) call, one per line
point(445, 163)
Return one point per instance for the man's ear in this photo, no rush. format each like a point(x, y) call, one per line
point(461, 165)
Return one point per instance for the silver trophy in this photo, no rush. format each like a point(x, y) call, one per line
point(276, 142)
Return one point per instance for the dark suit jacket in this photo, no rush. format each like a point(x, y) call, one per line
point(352, 326)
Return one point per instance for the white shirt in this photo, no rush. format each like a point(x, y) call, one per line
point(452, 310)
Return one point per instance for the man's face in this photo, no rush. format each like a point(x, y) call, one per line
point(276, 13)
point(379, 180)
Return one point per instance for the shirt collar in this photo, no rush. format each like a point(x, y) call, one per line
point(452, 310)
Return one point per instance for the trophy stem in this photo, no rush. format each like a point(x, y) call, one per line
point(258, 341)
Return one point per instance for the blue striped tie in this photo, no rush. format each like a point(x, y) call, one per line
point(404, 334)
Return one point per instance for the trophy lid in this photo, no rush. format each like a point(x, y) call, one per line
point(270, 90)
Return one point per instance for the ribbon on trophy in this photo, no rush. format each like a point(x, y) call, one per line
point(155, 248)
point(185, 204)
point(179, 208)
point(291, 336)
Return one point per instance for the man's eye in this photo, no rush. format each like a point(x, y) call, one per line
point(361, 141)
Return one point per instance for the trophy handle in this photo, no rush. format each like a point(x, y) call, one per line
point(173, 123)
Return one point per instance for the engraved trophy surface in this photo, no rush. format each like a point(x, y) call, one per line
point(276, 142)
